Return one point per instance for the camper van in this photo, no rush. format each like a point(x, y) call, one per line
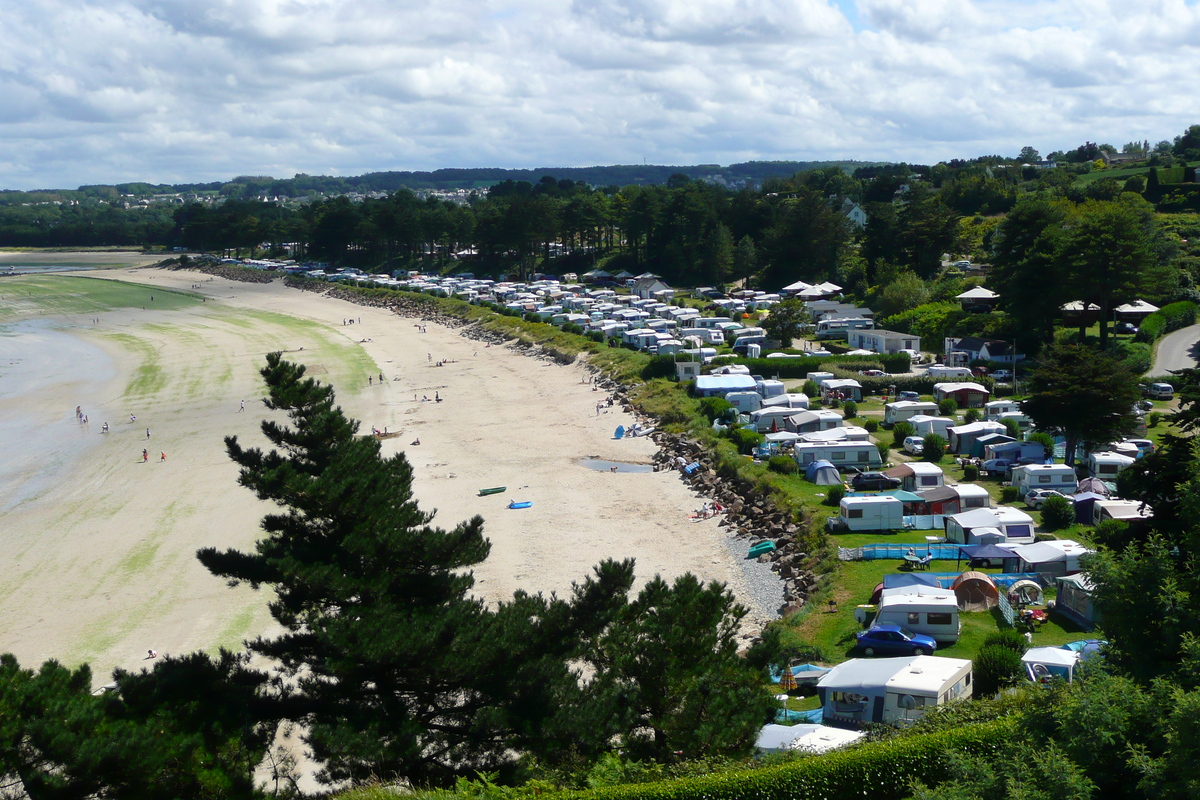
point(936, 617)
point(998, 408)
point(904, 410)
point(843, 455)
point(872, 513)
point(838, 328)
point(923, 425)
point(1160, 391)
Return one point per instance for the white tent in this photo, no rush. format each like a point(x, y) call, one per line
point(1043, 663)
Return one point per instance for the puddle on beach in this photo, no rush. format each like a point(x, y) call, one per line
point(607, 466)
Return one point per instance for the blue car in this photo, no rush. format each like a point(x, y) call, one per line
point(889, 639)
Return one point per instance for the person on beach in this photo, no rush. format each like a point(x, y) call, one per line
point(162, 457)
point(104, 428)
point(145, 455)
point(370, 380)
point(132, 418)
point(151, 653)
point(147, 433)
point(243, 408)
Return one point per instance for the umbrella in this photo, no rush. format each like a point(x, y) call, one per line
point(787, 681)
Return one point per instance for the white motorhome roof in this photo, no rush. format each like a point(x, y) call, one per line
point(920, 468)
point(913, 674)
point(906, 600)
point(1048, 552)
point(957, 387)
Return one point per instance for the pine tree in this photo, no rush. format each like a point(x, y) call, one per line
point(397, 670)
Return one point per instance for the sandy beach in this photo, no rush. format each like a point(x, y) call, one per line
point(99, 545)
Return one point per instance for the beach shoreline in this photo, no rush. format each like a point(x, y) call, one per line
point(504, 419)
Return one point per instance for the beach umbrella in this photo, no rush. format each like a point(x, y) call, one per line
point(787, 680)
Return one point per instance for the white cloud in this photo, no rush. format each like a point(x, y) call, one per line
point(182, 90)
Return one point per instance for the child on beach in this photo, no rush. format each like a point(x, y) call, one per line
point(145, 455)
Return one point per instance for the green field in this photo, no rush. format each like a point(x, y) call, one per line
point(27, 296)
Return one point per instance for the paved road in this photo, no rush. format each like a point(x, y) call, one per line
point(1177, 350)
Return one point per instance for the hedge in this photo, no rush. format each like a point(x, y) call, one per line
point(792, 368)
point(879, 770)
point(1169, 318)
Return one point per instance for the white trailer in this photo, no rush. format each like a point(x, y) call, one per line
point(904, 410)
point(872, 513)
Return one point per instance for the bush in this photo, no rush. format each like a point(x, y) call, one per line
point(1012, 639)
point(996, 667)
point(884, 452)
point(1011, 428)
point(948, 407)
point(871, 425)
point(972, 415)
point(1010, 494)
point(970, 472)
point(784, 465)
point(900, 432)
point(835, 495)
point(850, 409)
point(714, 407)
point(810, 389)
point(1057, 513)
point(746, 440)
point(1153, 418)
point(933, 448)
point(659, 367)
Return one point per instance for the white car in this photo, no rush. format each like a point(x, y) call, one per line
point(964, 264)
point(1002, 375)
point(914, 445)
point(1038, 496)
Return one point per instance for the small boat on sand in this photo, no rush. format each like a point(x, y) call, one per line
point(520, 504)
point(493, 490)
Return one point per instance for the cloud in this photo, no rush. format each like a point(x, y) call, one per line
point(186, 90)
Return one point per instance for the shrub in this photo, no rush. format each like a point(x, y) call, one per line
point(948, 407)
point(970, 472)
point(884, 452)
point(659, 367)
point(1153, 419)
point(714, 407)
point(972, 415)
point(933, 448)
point(1011, 428)
point(1010, 494)
point(871, 425)
point(996, 667)
point(810, 389)
point(784, 465)
point(1009, 638)
point(746, 440)
point(900, 432)
point(1057, 513)
point(835, 495)
point(850, 409)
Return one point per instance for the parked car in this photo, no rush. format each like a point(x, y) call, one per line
point(1003, 375)
point(821, 352)
point(1038, 496)
point(964, 264)
point(914, 445)
point(873, 481)
point(873, 373)
point(890, 639)
point(1126, 327)
point(908, 396)
point(997, 466)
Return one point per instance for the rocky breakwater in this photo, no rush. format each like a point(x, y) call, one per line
point(750, 517)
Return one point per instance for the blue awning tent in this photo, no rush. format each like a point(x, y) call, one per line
point(894, 580)
point(980, 552)
point(1085, 503)
point(822, 473)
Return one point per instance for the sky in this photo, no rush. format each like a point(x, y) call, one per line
point(173, 91)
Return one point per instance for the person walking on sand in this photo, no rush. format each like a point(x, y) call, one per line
point(147, 433)
point(145, 455)
point(104, 429)
point(370, 380)
point(243, 408)
point(162, 457)
point(132, 418)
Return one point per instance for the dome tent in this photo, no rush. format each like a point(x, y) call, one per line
point(975, 592)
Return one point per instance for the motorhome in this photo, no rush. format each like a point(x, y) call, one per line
point(891, 690)
point(942, 371)
point(936, 617)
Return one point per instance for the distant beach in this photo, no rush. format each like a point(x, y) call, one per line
point(102, 546)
